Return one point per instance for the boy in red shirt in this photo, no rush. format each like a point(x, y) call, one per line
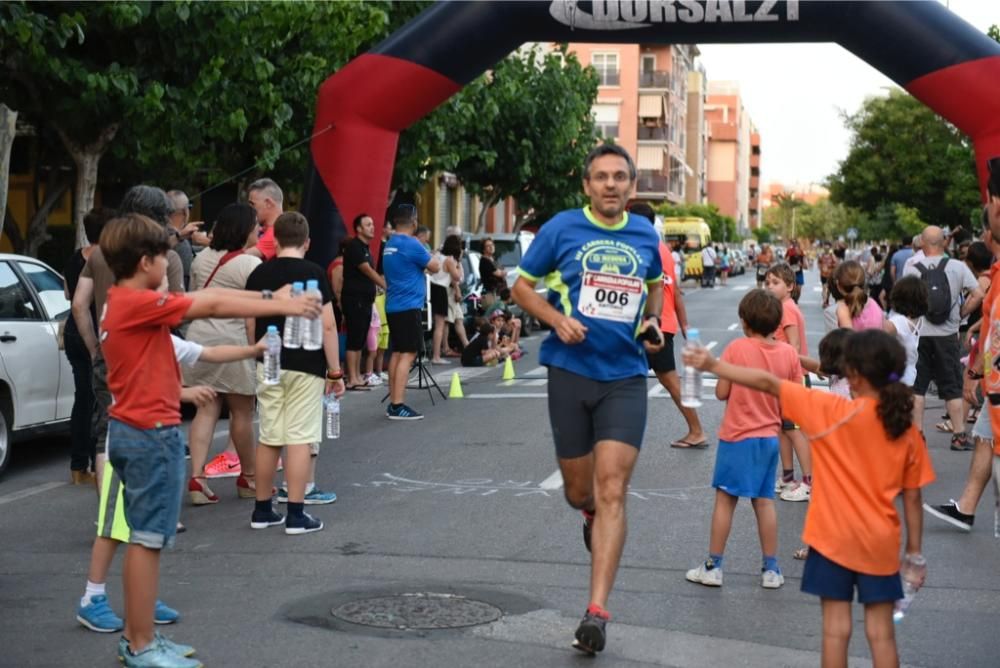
point(748, 440)
point(145, 446)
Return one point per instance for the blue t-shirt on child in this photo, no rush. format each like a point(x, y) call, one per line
point(598, 275)
point(403, 262)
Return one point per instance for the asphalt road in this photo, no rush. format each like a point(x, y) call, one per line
point(465, 503)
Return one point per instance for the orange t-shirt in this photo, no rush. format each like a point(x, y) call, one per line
point(668, 315)
point(857, 475)
point(266, 244)
point(143, 376)
point(791, 315)
point(989, 347)
point(750, 413)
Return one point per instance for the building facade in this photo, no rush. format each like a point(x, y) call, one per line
point(642, 104)
point(696, 180)
point(734, 153)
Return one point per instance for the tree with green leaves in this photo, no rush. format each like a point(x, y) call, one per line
point(901, 152)
point(521, 130)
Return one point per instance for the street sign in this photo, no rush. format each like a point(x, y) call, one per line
point(852, 233)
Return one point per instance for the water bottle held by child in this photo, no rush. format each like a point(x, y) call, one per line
point(293, 323)
point(331, 404)
point(912, 572)
point(272, 356)
point(312, 328)
point(691, 382)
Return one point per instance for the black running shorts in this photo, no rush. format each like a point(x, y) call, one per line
point(405, 332)
point(357, 318)
point(663, 361)
point(583, 411)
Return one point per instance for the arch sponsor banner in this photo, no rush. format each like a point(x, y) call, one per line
point(939, 58)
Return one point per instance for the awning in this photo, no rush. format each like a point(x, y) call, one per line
point(605, 113)
point(650, 157)
point(650, 106)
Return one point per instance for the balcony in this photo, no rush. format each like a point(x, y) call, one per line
point(657, 133)
point(651, 182)
point(654, 79)
point(754, 182)
point(755, 159)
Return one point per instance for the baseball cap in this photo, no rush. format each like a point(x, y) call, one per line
point(496, 313)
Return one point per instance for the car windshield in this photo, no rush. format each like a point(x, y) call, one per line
point(50, 289)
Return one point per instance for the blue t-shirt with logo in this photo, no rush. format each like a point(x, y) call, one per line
point(403, 262)
point(598, 275)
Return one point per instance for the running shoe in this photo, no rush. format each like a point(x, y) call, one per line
point(781, 485)
point(373, 380)
point(706, 574)
point(316, 497)
point(225, 465)
point(265, 520)
point(305, 523)
point(164, 614)
point(384, 376)
point(158, 654)
point(771, 579)
point(402, 412)
point(590, 635)
point(950, 513)
point(177, 648)
point(801, 492)
point(588, 528)
point(98, 616)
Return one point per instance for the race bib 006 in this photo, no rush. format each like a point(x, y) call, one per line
point(610, 296)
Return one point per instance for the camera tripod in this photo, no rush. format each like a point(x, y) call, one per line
point(425, 380)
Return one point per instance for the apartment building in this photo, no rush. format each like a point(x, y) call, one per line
point(696, 179)
point(733, 174)
point(642, 104)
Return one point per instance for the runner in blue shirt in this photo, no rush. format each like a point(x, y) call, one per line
point(605, 294)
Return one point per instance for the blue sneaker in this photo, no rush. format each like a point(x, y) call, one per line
point(159, 654)
point(316, 497)
point(164, 614)
point(98, 616)
point(175, 647)
point(402, 412)
point(265, 520)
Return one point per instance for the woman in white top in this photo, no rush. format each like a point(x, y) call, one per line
point(909, 305)
point(224, 265)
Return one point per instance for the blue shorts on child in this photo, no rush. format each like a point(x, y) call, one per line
point(828, 579)
point(150, 464)
point(746, 468)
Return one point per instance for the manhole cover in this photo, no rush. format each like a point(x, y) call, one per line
point(418, 611)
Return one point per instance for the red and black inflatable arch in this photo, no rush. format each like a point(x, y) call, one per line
point(931, 52)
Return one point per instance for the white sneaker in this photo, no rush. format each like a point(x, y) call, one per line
point(771, 579)
point(384, 376)
point(373, 380)
point(782, 486)
point(705, 574)
point(801, 492)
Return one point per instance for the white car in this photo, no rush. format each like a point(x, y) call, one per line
point(36, 380)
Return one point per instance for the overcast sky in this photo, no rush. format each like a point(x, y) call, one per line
point(802, 136)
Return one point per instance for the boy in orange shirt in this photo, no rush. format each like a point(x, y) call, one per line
point(748, 440)
point(867, 452)
point(780, 282)
point(145, 446)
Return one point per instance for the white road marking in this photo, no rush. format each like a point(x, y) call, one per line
point(517, 395)
point(740, 288)
point(30, 491)
point(711, 344)
point(554, 481)
point(733, 326)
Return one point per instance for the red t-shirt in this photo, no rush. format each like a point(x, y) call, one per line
point(143, 375)
point(791, 315)
point(668, 315)
point(266, 245)
point(750, 413)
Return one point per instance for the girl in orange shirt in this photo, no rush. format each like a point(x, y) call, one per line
point(866, 451)
point(780, 282)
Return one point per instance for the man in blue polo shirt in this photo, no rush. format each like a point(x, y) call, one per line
point(605, 285)
point(404, 261)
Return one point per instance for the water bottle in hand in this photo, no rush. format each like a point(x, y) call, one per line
point(691, 382)
point(312, 328)
point(332, 406)
point(912, 572)
point(272, 356)
point(293, 323)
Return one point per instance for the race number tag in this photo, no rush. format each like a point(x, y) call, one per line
point(610, 296)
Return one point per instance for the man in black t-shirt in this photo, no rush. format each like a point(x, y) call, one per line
point(492, 275)
point(291, 412)
point(358, 295)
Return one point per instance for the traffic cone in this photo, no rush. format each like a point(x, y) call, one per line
point(456, 387)
point(508, 369)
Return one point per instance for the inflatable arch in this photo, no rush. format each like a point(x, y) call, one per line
point(936, 56)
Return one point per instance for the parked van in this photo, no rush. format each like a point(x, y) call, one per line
point(693, 235)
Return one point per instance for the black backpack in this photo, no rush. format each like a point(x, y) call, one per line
point(938, 291)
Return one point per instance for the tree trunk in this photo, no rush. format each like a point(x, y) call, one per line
point(87, 159)
point(8, 130)
point(481, 219)
point(13, 232)
point(38, 233)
